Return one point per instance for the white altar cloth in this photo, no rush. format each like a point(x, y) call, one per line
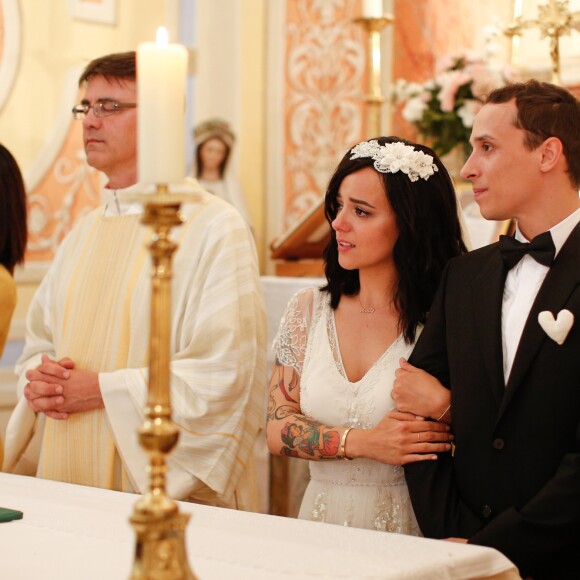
point(71, 532)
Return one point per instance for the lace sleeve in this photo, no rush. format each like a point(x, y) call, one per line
point(290, 343)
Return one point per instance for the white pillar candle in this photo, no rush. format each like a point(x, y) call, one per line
point(161, 82)
point(373, 8)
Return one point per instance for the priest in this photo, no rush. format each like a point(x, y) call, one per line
point(83, 373)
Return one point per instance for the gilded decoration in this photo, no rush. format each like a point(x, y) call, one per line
point(324, 111)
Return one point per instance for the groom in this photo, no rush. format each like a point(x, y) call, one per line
point(513, 482)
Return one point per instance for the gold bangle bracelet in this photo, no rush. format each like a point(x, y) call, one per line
point(443, 414)
point(341, 451)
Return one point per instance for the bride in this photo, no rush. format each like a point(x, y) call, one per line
point(393, 213)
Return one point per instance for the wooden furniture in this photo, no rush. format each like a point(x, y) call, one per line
point(299, 251)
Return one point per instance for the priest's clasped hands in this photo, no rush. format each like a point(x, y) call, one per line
point(58, 389)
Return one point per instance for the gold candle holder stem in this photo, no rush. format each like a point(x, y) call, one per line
point(160, 551)
point(555, 78)
point(374, 99)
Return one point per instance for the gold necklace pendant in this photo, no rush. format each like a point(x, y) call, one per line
point(364, 310)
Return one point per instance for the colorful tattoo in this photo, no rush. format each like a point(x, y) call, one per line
point(301, 436)
point(286, 390)
point(309, 439)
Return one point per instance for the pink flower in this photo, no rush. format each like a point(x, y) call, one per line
point(450, 83)
point(484, 79)
point(443, 107)
point(445, 63)
point(467, 112)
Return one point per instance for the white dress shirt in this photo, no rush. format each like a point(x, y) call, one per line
point(521, 288)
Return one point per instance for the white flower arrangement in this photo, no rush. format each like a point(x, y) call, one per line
point(443, 108)
point(393, 157)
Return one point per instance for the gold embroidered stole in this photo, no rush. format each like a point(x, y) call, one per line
point(93, 323)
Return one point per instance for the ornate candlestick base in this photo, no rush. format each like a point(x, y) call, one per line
point(374, 99)
point(160, 551)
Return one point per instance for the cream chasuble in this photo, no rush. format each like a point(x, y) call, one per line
point(93, 306)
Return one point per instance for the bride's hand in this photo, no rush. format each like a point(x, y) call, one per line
point(416, 391)
point(400, 438)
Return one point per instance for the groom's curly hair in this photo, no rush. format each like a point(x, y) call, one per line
point(429, 235)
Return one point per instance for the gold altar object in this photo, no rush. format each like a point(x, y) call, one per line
point(160, 552)
point(374, 98)
point(554, 20)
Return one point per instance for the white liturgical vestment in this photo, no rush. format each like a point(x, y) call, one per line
point(93, 306)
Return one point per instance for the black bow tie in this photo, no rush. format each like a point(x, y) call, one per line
point(541, 248)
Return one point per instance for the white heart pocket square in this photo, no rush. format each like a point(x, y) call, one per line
point(559, 328)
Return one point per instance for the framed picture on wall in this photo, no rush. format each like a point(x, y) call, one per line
point(102, 11)
point(481, 232)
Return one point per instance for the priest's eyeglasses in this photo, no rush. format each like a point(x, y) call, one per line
point(102, 108)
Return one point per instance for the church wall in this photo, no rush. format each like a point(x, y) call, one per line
point(316, 102)
point(252, 166)
point(229, 81)
point(316, 81)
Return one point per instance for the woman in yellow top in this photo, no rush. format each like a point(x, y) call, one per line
point(13, 235)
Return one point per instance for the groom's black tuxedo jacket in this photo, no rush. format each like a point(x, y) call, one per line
point(514, 482)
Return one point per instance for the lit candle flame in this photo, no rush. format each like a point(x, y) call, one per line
point(162, 36)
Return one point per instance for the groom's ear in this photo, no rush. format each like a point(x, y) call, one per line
point(551, 152)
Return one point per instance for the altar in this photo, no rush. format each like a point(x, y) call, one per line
point(70, 532)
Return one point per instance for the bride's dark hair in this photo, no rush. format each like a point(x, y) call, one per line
point(429, 235)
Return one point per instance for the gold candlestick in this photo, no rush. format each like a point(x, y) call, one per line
point(160, 552)
point(554, 20)
point(374, 98)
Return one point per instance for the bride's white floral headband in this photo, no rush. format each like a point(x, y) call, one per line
point(393, 157)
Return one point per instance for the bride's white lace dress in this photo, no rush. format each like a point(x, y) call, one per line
point(359, 493)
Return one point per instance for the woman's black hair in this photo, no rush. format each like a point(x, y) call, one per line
point(429, 235)
point(13, 230)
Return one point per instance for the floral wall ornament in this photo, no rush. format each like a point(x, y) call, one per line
point(61, 186)
point(443, 108)
point(79, 186)
point(323, 114)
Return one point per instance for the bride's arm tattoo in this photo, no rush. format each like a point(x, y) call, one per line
point(306, 438)
point(278, 387)
point(286, 388)
point(300, 435)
